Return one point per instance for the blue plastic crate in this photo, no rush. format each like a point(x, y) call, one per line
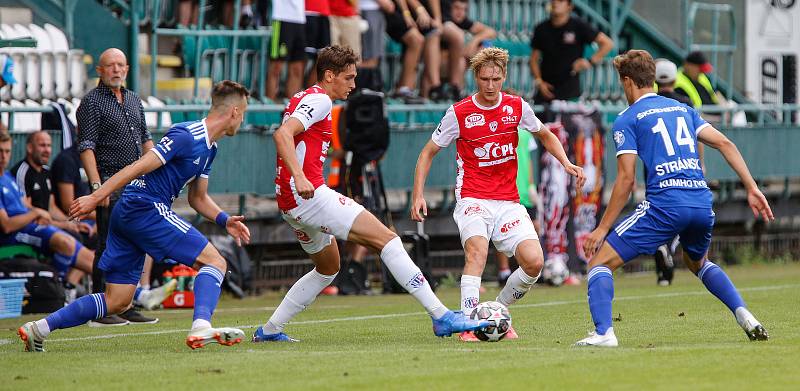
point(11, 292)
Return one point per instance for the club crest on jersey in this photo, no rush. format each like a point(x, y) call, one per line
point(493, 126)
point(619, 138)
point(474, 120)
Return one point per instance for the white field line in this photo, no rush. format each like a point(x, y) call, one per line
point(398, 315)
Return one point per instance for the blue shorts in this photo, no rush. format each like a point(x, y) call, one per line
point(140, 227)
point(38, 237)
point(651, 226)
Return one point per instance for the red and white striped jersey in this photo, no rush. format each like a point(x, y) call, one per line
point(312, 107)
point(486, 145)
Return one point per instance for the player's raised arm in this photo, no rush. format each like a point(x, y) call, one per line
point(86, 204)
point(419, 207)
point(715, 139)
point(553, 145)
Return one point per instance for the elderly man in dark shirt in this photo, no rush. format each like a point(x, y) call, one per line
point(112, 135)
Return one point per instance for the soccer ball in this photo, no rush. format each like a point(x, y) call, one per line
point(498, 317)
point(555, 271)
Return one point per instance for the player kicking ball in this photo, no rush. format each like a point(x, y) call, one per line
point(143, 222)
point(484, 127)
point(317, 213)
point(664, 134)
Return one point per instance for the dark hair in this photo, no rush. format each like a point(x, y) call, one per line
point(4, 137)
point(637, 65)
point(225, 89)
point(335, 59)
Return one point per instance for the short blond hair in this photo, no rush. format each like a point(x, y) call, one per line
point(488, 57)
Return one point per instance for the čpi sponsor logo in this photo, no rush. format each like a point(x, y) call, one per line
point(509, 226)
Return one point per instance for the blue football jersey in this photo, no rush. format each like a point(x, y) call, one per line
point(187, 153)
point(663, 132)
point(11, 199)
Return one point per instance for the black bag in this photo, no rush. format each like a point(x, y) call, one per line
point(239, 278)
point(417, 245)
point(43, 290)
point(367, 133)
point(352, 279)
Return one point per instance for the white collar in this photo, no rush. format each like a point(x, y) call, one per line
point(647, 95)
point(205, 134)
point(496, 105)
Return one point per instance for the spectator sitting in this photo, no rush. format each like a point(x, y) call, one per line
point(559, 43)
point(32, 176)
point(346, 25)
point(373, 43)
point(456, 23)
point(428, 16)
point(22, 224)
point(666, 72)
point(401, 27)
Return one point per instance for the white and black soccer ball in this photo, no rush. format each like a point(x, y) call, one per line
point(499, 320)
point(555, 271)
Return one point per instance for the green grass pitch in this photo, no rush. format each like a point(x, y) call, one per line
point(679, 337)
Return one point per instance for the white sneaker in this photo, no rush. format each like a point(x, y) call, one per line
point(751, 326)
point(153, 298)
point(607, 340)
point(31, 337)
point(227, 336)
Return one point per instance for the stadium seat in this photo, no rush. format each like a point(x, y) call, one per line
point(60, 68)
point(46, 61)
point(166, 117)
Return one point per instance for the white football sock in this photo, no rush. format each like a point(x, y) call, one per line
point(43, 327)
point(518, 284)
point(406, 273)
point(199, 324)
point(300, 296)
point(470, 293)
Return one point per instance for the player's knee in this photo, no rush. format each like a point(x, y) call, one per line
point(62, 243)
point(476, 256)
point(533, 265)
point(414, 38)
point(328, 268)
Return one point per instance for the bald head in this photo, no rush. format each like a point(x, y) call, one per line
point(112, 68)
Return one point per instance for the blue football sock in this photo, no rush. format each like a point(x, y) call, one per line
point(718, 283)
point(80, 311)
point(601, 292)
point(206, 292)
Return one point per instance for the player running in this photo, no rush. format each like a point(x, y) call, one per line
point(142, 222)
point(317, 213)
point(484, 127)
point(664, 134)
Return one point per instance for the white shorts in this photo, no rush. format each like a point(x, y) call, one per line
point(318, 219)
point(505, 223)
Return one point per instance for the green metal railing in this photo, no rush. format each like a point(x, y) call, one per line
point(716, 46)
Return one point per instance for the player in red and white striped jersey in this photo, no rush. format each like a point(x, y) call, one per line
point(317, 213)
point(484, 127)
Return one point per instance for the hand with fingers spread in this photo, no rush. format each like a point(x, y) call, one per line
point(82, 206)
point(419, 209)
point(759, 205)
point(236, 228)
point(593, 241)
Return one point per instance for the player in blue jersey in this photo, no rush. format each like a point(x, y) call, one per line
point(21, 223)
point(664, 134)
point(142, 222)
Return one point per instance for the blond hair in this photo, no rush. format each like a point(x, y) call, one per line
point(489, 57)
point(638, 65)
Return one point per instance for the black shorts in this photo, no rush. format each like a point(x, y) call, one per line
point(318, 34)
point(287, 42)
point(396, 27)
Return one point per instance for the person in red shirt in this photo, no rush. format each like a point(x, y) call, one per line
point(318, 213)
point(484, 127)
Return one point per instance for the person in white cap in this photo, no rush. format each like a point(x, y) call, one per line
point(666, 72)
